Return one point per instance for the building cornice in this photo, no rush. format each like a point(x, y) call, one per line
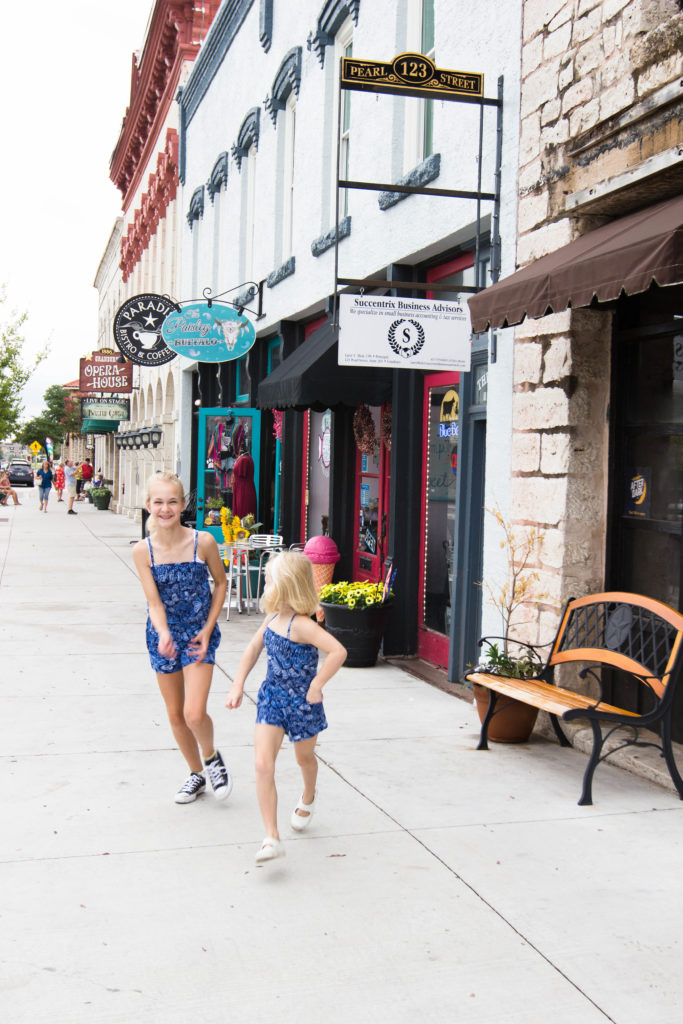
point(161, 191)
point(175, 34)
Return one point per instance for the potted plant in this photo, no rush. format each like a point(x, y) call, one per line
point(100, 497)
point(214, 510)
point(513, 721)
point(356, 614)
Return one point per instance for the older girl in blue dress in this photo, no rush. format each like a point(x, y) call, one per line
point(174, 564)
point(290, 700)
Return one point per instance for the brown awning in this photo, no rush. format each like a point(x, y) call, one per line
point(626, 255)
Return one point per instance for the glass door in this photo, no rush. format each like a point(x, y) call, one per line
point(224, 435)
point(440, 461)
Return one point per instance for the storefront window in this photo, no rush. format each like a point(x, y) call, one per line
point(225, 434)
point(442, 407)
point(650, 492)
point(319, 453)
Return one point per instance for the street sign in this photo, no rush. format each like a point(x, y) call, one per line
point(35, 447)
point(411, 74)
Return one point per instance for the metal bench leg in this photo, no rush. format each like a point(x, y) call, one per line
point(483, 740)
point(559, 732)
point(593, 760)
point(667, 752)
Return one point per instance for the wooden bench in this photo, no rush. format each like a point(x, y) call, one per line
point(628, 633)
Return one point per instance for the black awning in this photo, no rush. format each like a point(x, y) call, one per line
point(311, 378)
point(626, 255)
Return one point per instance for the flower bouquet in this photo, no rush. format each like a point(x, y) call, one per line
point(354, 595)
point(357, 614)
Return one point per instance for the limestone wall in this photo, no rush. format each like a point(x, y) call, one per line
point(599, 135)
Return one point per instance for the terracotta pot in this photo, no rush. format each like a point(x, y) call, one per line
point(513, 721)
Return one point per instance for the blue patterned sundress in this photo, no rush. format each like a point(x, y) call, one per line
point(282, 696)
point(186, 596)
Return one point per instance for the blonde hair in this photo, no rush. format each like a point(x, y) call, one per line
point(289, 584)
point(164, 478)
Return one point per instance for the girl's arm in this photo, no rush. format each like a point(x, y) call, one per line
point(305, 631)
point(247, 662)
point(157, 612)
point(207, 549)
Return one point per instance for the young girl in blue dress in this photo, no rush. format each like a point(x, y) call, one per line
point(290, 700)
point(182, 632)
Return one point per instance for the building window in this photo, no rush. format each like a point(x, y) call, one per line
point(289, 117)
point(343, 47)
point(419, 118)
point(248, 212)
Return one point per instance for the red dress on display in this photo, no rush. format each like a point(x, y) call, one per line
point(243, 490)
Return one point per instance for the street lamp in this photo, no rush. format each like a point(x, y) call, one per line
point(137, 440)
point(155, 434)
point(145, 437)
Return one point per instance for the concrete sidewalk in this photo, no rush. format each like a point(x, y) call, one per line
point(437, 883)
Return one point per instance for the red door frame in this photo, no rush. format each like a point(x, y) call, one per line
point(306, 447)
point(431, 646)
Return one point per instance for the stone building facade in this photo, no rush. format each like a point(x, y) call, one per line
point(143, 252)
point(600, 136)
point(597, 459)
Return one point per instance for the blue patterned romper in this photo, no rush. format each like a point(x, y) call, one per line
point(282, 696)
point(186, 596)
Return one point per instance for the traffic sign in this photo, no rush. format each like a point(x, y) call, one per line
point(35, 447)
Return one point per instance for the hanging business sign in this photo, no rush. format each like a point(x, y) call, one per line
point(137, 329)
point(411, 334)
point(105, 409)
point(410, 74)
point(105, 371)
point(213, 333)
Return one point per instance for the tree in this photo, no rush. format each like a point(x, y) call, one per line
point(14, 371)
point(60, 416)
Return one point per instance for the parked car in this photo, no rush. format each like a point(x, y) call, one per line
point(20, 473)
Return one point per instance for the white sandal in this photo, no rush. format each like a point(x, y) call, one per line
point(270, 849)
point(301, 821)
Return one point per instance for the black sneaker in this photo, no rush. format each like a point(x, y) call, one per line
point(191, 788)
point(219, 777)
point(71, 512)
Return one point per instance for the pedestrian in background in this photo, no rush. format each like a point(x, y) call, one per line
point(45, 477)
point(70, 478)
point(290, 700)
point(174, 564)
point(6, 488)
point(79, 483)
point(59, 481)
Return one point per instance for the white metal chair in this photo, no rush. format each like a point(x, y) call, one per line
point(267, 544)
point(239, 577)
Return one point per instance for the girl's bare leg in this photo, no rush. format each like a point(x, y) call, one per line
point(197, 685)
point(304, 752)
point(267, 742)
point(172, 687)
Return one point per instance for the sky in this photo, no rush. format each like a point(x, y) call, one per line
point(65, 83)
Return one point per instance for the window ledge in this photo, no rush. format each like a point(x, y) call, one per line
point(425, 172)
point(325, 242)
point(283, 271)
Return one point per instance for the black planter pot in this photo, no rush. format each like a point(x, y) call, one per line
point(360, 630)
